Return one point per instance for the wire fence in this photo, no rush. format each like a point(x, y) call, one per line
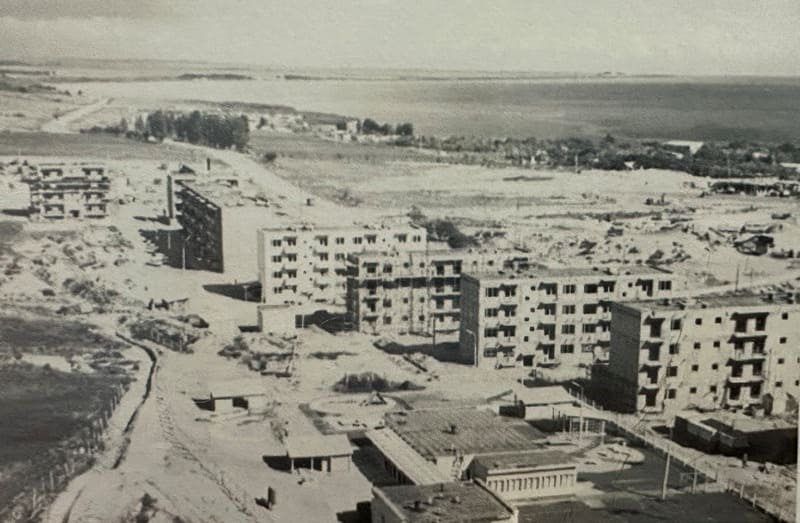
point(711, 478)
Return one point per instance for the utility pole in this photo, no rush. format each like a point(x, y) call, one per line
point(666, 475)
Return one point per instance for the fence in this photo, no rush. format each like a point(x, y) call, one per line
point(711, 477)
point(31, 503)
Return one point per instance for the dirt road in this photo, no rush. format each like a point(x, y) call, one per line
point(62, 123)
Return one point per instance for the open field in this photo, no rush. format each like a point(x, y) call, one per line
point(95, 147)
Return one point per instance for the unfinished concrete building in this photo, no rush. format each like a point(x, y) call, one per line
point(299, 265)
point(711, 352)
point(416, 291)
point(219, 220)
point(62, 190)
point(556, 316)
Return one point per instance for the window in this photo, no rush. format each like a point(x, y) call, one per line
point(697, 345)
point(782, 339)
point(785, 316)
point(671, 393)
point(695, 368)
point(405, 300)
point(549, 310)
point(568, 289)
point(698, 321)
point(741, 325)
point(587, 347)
point(780, 361)
point(672, 371)
point(276, 243)
point(371, 239)
point(590, 308)
point(590, 288)
point(339, 256)
point(761, 323)
point(714, 366)
point(567, 348)
point(665, 285)
point(568, 309)
point(778, 384)
point(357, 240)
point(676, 324)
point(712, 389)
point(489, 332)
point(323, 256)
point(674, 348)
point(550, 290)
point(491, 292)
point(511, 291)
point(692, 390)
point(589, 328)
point(276, 259)
point(323, 240)
point(716, 344)
point(387, 302)
point(402, 238)
point(491, 313)
point(568, 329)
point(291, 257)
point(340, 241)
point(291, 274)
point(387, 320)
point(276, 274)
point(291, 241)
point(718, 319)
point(525, 338)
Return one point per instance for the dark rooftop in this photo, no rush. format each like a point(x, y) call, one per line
point(430, 432)
point(518, 460)
point(446, 502)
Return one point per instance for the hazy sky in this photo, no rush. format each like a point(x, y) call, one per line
point(644, 36)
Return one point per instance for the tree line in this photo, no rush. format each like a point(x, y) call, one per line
point(212, 129)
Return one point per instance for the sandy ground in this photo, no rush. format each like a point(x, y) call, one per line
point(209, 467)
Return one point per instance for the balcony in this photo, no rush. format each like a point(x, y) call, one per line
point(651, 364)
point(745, 378)
point(650, 385)
point(747, 355)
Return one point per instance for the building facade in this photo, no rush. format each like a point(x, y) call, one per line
point(526, 475)
point(79, 190)
point(220, 219)
point(298, 265)
point(511, 318)
point(711, 352)
point(415, 291)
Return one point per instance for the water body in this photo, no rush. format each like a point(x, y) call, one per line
point(764, 109)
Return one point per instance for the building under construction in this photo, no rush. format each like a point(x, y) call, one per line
point(63, 190)
point(416, 291)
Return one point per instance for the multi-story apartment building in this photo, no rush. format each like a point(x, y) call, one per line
point(513, 318)
point(298, 265)
point(415, 291)
point(219, 220)
point(78, 190)
point(710, 352)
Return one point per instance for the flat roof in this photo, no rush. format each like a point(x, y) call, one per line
point(525, 460)
point(446, 503)
point(717, 301)
point(223, 195)
point(550, 395)
point(429, 432)
point(313, 445)
point(237, 388)
point(308, 227)
point(416, 468)
point(568, 272)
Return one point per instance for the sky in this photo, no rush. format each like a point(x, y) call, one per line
point(697, 37)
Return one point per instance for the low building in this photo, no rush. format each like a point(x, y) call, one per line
point(64, 190)
point(226, 396)
point(555, 316)
point(332, 453)
point(415, 291)
point(453, 502)
point(219, 220)
point(450, 438)
point(526, 475)
point(710, 352)
point(307, 264)
point(544, 402)
point(683, 148)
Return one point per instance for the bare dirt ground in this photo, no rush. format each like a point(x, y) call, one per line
point(210, 467)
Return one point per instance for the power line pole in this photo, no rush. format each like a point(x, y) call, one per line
point(666, 475)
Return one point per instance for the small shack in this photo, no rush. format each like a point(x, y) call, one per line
point(225, 396)
point(545, 402)
point(332, 453)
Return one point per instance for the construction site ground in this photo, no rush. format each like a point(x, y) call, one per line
point(202, 466)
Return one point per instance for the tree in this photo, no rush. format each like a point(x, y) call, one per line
point(139, 125)
point(405, 129)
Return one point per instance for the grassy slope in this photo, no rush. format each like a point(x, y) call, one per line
point(96, 146)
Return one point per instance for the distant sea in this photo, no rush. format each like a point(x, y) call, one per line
point(748, 108)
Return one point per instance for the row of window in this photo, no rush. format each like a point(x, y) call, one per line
point(589, 288)
point(339, 240)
